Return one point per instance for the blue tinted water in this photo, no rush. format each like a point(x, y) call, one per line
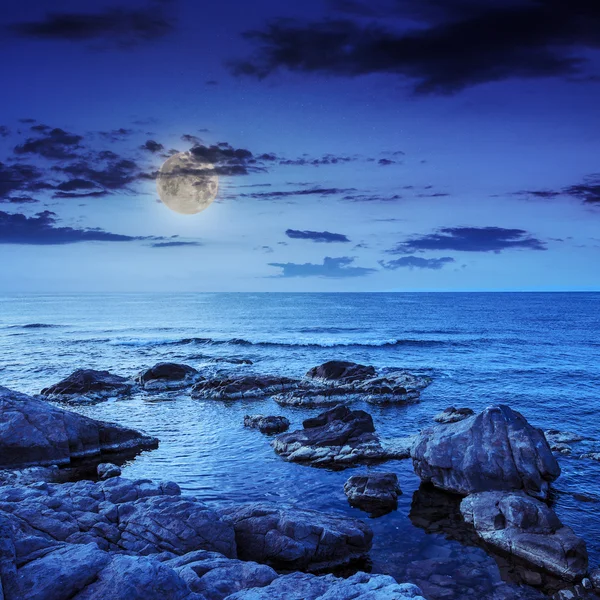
point(539, 353)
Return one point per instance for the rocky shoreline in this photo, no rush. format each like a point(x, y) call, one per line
point(105, 536)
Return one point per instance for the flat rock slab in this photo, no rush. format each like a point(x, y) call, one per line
point(375, 493)
point(232, 387)
point(494, 450)
point(267, 424)
point(522, 526)
point(361, 586)
point(291, 538)
point(36, 433)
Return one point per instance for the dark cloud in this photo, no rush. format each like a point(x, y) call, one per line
point(4, 131)
point(470, 239)
point(42, 230)
point(372, 197)
point(116, 135)
point(316, 236)
point(455, 44)
point(76, 184)
point(384, 162)
point(174, 244)
point(56, 144)
point(315, 191)
point(111, 171)
point(326, 159)
point(18, 200)
point(96, 194)
point(152, 146)
point(118, 27)
point(228, 160)
point(331, 267)
point(416, 262)
point(20, 177)
point(587, 191)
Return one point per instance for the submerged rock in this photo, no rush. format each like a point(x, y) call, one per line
point(297, 539)
point(337, 438)
point(270, 424)
point(90, 385)
point(236, 387)
point(520, 525)
point(494, 450)
point(167, 376)
point(560, 441)
point(34, 432)
point(453, 415)
point(361, 586)
point(375, 493)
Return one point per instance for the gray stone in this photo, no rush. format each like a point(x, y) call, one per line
point(107, 470)
point(453, 415)
point(375, 493)
point(34, 432)
point(595, 578)
point(337, 438)
point(494, 450)
point(297, 539)
point(361, 586)
point(341, 371)
point(167, 376)
point(269, 424)
point(522, 526)
point(88, 384)
point(236, 387)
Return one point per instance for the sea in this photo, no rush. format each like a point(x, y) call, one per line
point(536, 352)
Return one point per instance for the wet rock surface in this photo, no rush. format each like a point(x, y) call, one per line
point(518, 524)
point(361, 586)
point(236, 387)
point(375, 493)
point(494, 450)
point(108, 470)
point(88, 385)
point(453, 415)
point(341, 372)
point(167, 376)
point(337, 438)
point(34, 432)
point(297, 539)
point(267, 424)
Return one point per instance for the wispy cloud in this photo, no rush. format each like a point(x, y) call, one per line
point(316, 236)
point(332, 267)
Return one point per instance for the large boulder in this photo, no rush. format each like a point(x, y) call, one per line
point(494, 450)
point(522, 526)
point(167, 376)
point(33, 432)
point(297, 539)
point(375, 493)
point(360, 586)
point(136, 517)
point(341, 372)
point(337, 438)
point(90, 385)
point(237, 387)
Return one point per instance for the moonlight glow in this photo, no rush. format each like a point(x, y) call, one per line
point(186, 185)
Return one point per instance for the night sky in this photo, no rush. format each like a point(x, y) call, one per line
point(393, 145)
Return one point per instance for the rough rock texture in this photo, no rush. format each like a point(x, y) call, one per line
point(341, 371)
point(107, 470)
point(337, 438)
point(167, 376)
point(453, 415)
point(33, 432)
point(375, 493)
point(118, 514)
point(329, 382)
point(494, 450)
point(234, 387)
point(527, 528)
point(560, 441)
point(90, 385)
point(295, 539)
point(270, 424)
point(361, 586)
point(217, 577)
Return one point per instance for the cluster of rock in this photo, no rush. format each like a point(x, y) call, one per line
point(337, 438)
point(323, 385)
point(267, 424)
point(130, 540)
point(504, 467)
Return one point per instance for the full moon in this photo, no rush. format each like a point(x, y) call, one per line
point(187, 185)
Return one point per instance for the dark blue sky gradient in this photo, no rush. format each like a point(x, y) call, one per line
point(494, 170)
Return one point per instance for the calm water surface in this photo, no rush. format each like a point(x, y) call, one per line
point(539, 353)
